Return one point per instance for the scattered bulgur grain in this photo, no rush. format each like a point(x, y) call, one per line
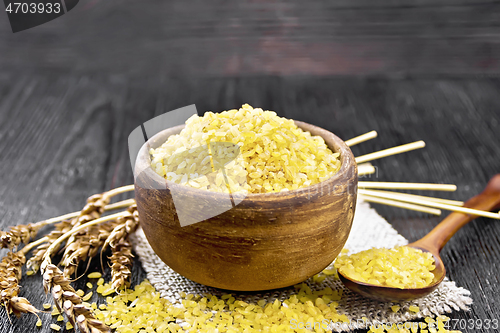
point(60, 318)
point(55, 327)
point(414, 308)
point(143, 310)
point(100, 289)
point(108, 291)
point(330, 271)
point(87, 297)
point(94, 275)
point(89, 285)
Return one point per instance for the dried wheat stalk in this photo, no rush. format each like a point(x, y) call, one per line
point(10, 274)
point(127, 224)
point(121, 264)
point(60, 229)
point(85, 246)
point(98, 238)
point(19, 234)
point(53, 279)
point(68, 301)
point(91, 211)
point(121, 250)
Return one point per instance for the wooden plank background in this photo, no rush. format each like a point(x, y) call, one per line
point(357, 37)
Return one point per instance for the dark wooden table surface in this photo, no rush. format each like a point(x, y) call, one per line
point(63, 138)
point(72, 90)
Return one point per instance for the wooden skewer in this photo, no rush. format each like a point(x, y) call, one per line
point(407, 186)
point(414, 196)
point(365, 169)
point(427, 203)
point(400, 204)
point(390, 151)
point(361, 138)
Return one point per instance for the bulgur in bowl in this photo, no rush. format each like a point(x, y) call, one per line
point(247, 241)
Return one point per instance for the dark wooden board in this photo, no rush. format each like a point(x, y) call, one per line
point(63, 137)
point(344, 37)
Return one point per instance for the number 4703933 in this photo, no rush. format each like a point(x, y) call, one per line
point(33, 8)
point(461, 324)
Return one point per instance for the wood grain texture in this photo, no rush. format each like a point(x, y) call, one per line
point(357, 37)
point(63, 138)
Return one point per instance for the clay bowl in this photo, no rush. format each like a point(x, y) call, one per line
point(267, 241)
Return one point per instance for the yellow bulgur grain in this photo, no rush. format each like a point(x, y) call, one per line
point(108, 291)
point(330, 271)
point(69, 326)
point(399, 267)
point(55, 311)
point(318, 278)
point(395, 308)
point(60, 318)
point(39, 323)
point(80, 292)
point(273, 154)
point(100, 282)
point(55, 327)
point(29, 273)
point(87, 297)
point(94, 275)
point(100, 289)
point(143, 310)
point(47, 306)
point(414, 308)
point(89, 285)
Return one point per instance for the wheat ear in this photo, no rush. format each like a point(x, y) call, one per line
point(10, 274)
point(85, 246)
point(67, 301)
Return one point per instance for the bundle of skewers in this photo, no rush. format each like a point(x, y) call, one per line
point(377, 192)
point(83, 235)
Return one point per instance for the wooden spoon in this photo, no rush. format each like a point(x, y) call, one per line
point(433, 242)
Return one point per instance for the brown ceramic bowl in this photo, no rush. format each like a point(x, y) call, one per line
point(267, 241)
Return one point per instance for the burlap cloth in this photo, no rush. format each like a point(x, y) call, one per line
point(369, 230)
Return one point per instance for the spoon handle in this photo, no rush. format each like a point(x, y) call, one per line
point(487, 200)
